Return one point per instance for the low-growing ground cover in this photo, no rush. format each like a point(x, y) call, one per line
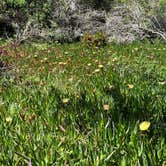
point(77, 105)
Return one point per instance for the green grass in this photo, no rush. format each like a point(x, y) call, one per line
point(38, 127)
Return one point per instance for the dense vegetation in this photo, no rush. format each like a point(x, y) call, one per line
point(69, 95)
point(78, 104)
point(67, 20)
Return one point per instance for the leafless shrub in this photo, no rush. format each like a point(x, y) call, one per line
point(131, 21)
point(70, 20)
point(32, 29)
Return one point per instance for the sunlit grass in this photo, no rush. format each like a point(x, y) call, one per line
point(74, 105)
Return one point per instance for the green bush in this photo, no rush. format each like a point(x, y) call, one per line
point(16, 2)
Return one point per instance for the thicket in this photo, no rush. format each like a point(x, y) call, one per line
point(63, 19)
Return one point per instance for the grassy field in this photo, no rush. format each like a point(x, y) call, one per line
point(82, 106)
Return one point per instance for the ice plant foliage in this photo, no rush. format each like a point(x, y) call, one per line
point(80, 105)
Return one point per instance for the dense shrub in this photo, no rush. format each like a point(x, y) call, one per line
point(6, 28)
point(121, 20)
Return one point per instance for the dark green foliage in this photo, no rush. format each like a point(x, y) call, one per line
point(20, 11)
point(6, 28)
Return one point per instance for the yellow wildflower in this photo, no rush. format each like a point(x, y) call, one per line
point(8, 119)
point(106, 107)
point(100, 66)
point(65, 100)
point(144, 125)
point(130, 86)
